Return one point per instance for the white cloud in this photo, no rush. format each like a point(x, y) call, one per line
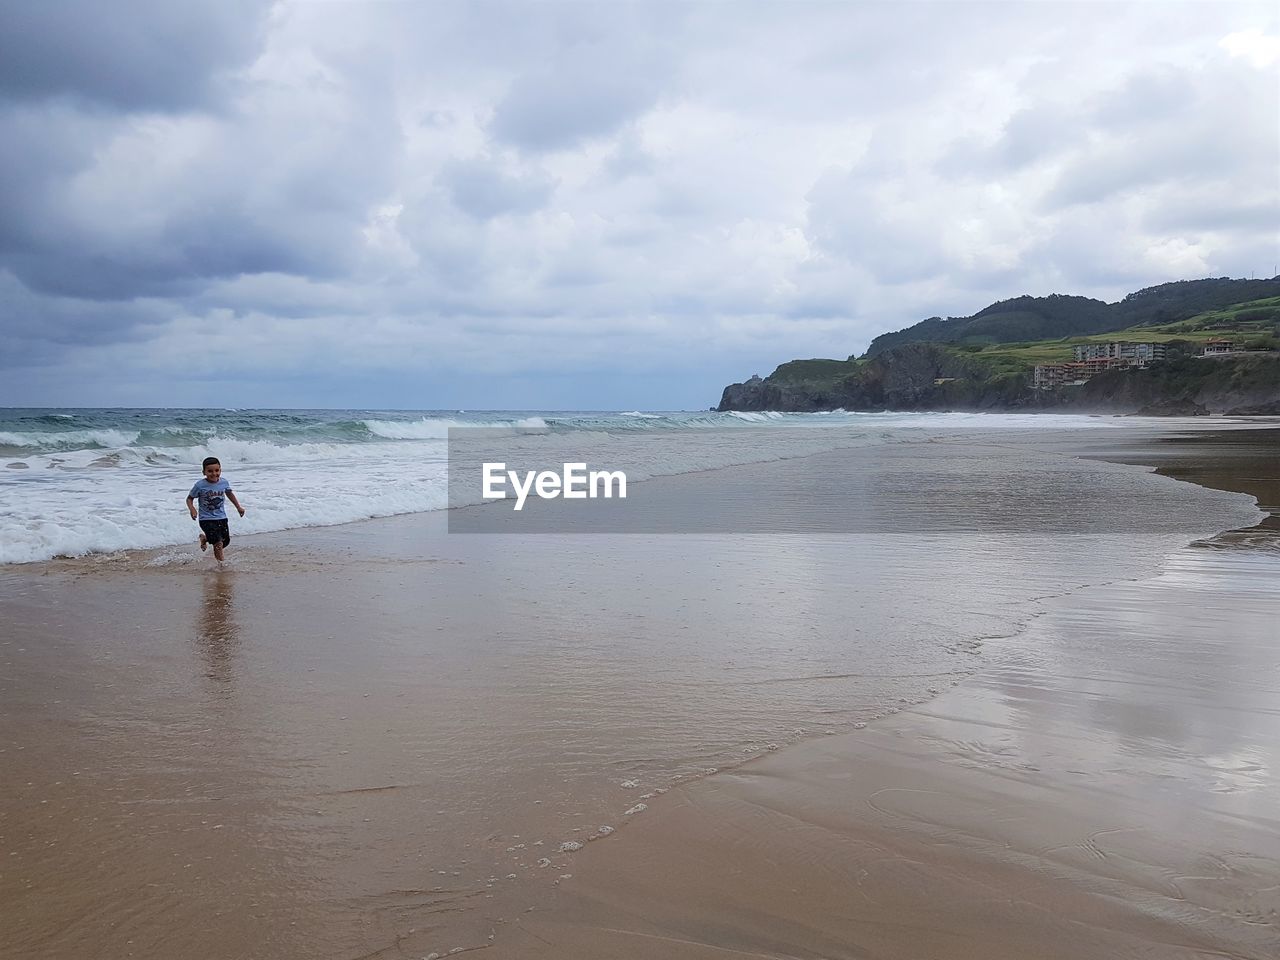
point(1259, 49)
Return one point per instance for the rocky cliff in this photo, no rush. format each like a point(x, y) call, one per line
point(1242, 385)
point(917, 376)
point(927, 376)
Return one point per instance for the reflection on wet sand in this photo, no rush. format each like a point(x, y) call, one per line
point(217, 633)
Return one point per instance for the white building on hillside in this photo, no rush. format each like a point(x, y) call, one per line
point(1139, 354)
point(1218, 346)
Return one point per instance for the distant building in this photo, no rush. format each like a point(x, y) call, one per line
point(1092, 358)
point(1049, 376)
point(1217, 346)
point(1091, 368)
point(1139, 353)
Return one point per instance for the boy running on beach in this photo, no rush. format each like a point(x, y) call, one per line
point(213, 514)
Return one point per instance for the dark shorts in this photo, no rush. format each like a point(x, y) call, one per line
point(216, 531)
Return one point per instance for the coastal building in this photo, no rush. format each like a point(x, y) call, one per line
point(1092, 358)
point(1049, 376)
point(1095, 365)
point(1217, 346)
point(1140, 354)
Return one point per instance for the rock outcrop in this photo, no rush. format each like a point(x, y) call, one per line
point(917, 376)
point(1173, 408)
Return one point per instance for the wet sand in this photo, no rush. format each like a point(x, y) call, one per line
point(1107, 788)
point(1076, 801)
point(353, 744)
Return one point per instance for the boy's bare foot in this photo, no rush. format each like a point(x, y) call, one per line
point(204, 543)
point(217, 551)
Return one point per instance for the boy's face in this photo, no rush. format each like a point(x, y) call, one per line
point(213, 472)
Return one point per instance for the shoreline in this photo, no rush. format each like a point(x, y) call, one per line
point(1125, 424)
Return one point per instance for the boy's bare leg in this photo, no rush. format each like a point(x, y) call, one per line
point(217, 551)
point(204, 543)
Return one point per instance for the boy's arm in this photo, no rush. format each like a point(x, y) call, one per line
point(191, 505)
point(232, 497)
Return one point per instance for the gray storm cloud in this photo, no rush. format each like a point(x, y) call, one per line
point(137, 55)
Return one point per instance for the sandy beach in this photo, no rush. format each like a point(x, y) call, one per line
point(1057, 738)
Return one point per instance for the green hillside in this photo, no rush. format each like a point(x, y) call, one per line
point(810, 371)
point(1254, 324)
point(1037, 319)
point(1244, 317)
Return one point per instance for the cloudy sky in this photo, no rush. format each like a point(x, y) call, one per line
point(593, 205)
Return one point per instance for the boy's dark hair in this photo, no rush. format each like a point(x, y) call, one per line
point(209, 462)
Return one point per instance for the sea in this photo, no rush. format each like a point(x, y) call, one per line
point(75, 482)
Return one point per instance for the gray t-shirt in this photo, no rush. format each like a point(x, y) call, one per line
point(212, 497)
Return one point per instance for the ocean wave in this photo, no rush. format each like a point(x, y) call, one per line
point(429, 428)
point(231, 451)
point(40, 440)
point(107, 430)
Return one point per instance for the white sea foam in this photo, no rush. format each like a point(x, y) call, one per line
point(432, 428)
point(424, 429)
point(72, 510)
point(67, 439)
